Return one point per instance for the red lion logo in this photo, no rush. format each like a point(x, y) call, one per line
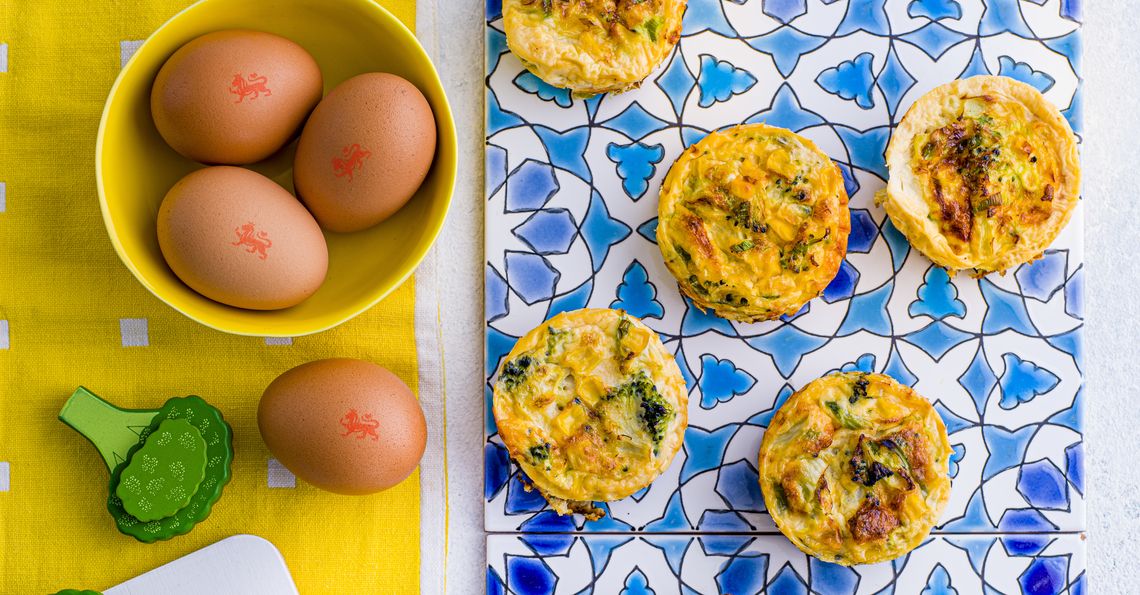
point(354, 156)
point(355, 424)
point(255, 243)
point(252, 87)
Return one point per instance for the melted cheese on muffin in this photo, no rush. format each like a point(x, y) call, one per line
point(753, 222)
point(984, 174)
point(591, 406)
point(853, 468)
point(592, 46)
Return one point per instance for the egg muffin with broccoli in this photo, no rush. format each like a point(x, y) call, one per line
point(854, 468)
point(592, 46)
point(592, 408)
point(753, 222)
point(984, 174)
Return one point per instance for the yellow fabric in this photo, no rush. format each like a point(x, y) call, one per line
point(64, 296)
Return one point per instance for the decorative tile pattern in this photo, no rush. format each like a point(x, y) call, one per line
point(750, 564)
point(571, 188)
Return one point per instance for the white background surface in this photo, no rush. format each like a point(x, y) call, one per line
point(452, 31)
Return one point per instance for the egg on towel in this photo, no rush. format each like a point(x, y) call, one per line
point(344, 425)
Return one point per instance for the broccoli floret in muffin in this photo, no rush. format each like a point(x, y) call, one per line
point(514, 371)
point(655, 413)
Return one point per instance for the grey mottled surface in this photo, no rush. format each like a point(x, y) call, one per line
point(454, 34)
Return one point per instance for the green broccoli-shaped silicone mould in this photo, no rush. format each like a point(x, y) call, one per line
point(168, 466)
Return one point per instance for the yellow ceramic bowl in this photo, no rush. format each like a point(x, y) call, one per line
point(135, 168)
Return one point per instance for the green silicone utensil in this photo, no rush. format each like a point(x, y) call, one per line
point(160, 477)
point(120, 434)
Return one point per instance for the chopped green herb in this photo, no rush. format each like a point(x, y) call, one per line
point(744, 246)
point(684, 254)
point(651, 27)
point(988, 203)
point(794, 259)
point(845, 417)
point(781, 495)
point(553, 336)
point(742, 214)
point(696, 285)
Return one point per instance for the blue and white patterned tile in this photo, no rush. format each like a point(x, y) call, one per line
point(751, 564)
point(571, 214)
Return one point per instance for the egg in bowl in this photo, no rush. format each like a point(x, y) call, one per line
point(592, 408)
point(753, 222)
point(984, 174)
point(592, 46)
point(854, 468)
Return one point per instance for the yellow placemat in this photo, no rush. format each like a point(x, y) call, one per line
point(71, 314)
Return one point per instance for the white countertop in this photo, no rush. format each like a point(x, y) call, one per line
point(452, 32)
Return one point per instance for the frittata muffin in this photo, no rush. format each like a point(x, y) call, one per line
point(753, 222)
point(984, 174)
point(592, 46)
point(854, 468)
point(592, 408)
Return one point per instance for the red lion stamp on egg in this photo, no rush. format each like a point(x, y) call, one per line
point(362, 426)
point(255, 242)
point(252, 86)
point(352, 160)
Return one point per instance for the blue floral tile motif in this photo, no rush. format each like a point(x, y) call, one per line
point(935, 10)
point(721, 381)
point(720, 80)
point(785, 11)
point(1023, 381)
point(851, 79)
point(937, 297)
point(571, 197)
point(636, 163)
point(636, 294)
point(744, 565)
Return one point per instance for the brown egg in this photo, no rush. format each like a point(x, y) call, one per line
point(344, 425)
point(234, 96)
point(238, 238)
point(364, 152)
